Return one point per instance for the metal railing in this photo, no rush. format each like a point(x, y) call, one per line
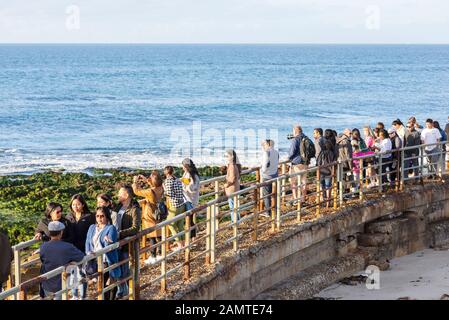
point(221, 230)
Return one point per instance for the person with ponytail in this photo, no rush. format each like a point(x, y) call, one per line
point(232, 183)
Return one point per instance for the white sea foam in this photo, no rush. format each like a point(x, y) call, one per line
point(32, 163)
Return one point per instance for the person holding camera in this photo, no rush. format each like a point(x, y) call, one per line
point(153, 197)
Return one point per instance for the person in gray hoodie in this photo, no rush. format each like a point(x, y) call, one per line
point(269, 170)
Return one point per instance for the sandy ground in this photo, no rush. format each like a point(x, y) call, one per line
point(423, 275)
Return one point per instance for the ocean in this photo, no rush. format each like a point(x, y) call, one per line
point(77, 107)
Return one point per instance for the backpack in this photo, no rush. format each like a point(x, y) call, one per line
point(307, 150)
point(161, 212)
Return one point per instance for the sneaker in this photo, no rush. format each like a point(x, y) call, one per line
point(74, 298)
point(150, 261)
point(265, 215)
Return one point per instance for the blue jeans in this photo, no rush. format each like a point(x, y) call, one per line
point(81, 290)
point(231, 207)
point(326, 184)
point(123, 289)
point(266, 190)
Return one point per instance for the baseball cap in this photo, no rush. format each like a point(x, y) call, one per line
point(56, 226)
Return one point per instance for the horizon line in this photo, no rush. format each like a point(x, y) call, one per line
point(221, 43)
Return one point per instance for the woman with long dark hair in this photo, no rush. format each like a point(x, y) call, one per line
point(191, 188)
point(232, 183)
point(53, 212)
point(81, 220)
point(105, 200)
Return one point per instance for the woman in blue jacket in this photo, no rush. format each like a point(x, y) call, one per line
point(99, 236)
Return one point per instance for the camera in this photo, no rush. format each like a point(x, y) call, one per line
point(290, 136)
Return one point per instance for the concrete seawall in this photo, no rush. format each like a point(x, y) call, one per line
point(316, 254)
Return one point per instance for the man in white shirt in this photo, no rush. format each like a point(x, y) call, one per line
point(384, 147)
point(431, 135)
point(269, 170)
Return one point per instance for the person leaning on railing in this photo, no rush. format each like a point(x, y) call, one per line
point(268, 170)
point(129, 217)
point(431, 135)
point(81, 219)
point(6, 256)
point(384, 147)
point(324, 159)
point(191, 189)
point(175, 204)
point(411, 160)
point(396, 144)
point(344, 155)
point(298, 164)
point(232, 182)
point(99, 236)
point(152, 195)
point(53, 212)
point(54, 254)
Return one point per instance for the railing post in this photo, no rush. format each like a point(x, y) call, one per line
point(64, 285)
point(163, 261)
point(213, 217)
point(380, 175)
point(208, 233)
point(23, 294)
point(9, 284)
point(318, 192)
point(255, 219)
point(217, 189)
point(259, 180)
point(187, 248)
point(361, 180)
point(235, 226)
point(135, 266)
point(273, 198)
point(334, 186)
point(144, 244)
point(100, 282)
point(17, 269)
point(283, 181)
point(340, 182)
point(402, 171)
point(278, 203)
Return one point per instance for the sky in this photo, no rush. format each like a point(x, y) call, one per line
point(224, 21)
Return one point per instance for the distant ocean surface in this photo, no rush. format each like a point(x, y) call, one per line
point(106, 106)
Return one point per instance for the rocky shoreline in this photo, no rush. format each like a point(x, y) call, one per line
point(23, 198)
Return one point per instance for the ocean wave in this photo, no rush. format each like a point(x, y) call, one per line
point(33, 163)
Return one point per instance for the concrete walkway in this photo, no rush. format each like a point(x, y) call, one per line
point(423, 275)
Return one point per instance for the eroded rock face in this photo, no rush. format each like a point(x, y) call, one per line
point(316, 254)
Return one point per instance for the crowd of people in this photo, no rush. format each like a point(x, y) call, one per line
point(67, 239)
point(349, 146)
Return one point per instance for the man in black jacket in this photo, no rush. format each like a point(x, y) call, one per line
point(412, 138)
point(129, 217)
point(6, 256)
